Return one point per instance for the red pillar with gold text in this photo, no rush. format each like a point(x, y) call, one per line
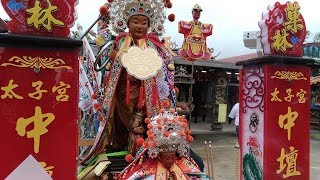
point(39, 91)
point(274, 118)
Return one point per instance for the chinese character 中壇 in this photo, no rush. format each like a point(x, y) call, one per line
point(48, 169)
point(288, 161)
point(40, 122)
point(290, 117)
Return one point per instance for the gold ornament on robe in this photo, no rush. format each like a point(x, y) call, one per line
point(141, 63)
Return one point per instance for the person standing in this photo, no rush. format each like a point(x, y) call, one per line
point(234, 115)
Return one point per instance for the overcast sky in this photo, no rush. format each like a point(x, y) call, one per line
point(229, 18)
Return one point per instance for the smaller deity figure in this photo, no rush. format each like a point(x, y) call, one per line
point(164, 153)
point(194, 46)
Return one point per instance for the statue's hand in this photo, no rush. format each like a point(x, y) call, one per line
point(138, 130)
point(137, 126)
point(113, 52)
point(171, 66)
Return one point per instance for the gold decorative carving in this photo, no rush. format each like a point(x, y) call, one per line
point(36, 63)
point(288, 75)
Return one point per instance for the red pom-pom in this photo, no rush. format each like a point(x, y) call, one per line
point(166, 134)
point(153, 144)
point(149, 126)
point(176, 90)
point(182, 133)
point(174, 121)
point(162, 110)
point(165, 103)
point(140, 141)
point(147, 120)
point(183, 124)
point(103, 10)
point(188, 131)
point(129, 158)
point(145, 144)
point(151, 136)
point(96, 106)
point(189, 138)
point(171, 17)
point(169, 5)
point(110, 1)
point(100, 118)
point(94, 96)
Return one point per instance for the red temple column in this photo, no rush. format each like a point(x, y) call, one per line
point(274, 116)
point(39, 91)
point(39, 104)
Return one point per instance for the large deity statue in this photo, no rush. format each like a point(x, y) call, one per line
point(194, 46)
point(141, 75)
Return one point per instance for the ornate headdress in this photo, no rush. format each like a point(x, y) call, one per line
point(197, 7)
point(120, 12)
point(167, 132)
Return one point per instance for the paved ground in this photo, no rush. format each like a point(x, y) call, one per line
point(224, 153)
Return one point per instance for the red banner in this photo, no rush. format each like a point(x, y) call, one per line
point(286, 129)
point(38, 110)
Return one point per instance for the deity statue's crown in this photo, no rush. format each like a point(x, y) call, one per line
point(167, 132)
point(122, 10)
point(138, 8)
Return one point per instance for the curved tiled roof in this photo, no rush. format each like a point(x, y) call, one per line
point(235, 59)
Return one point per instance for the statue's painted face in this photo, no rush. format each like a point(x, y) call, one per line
point(196, 14)
point(167, 159)
point(138, 26)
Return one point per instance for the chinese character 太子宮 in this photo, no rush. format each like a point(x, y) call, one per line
point(8, 91)
point(62, 91)
point(301, 95)
point(275, 95)
point(38, 93)
point(290, 96)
